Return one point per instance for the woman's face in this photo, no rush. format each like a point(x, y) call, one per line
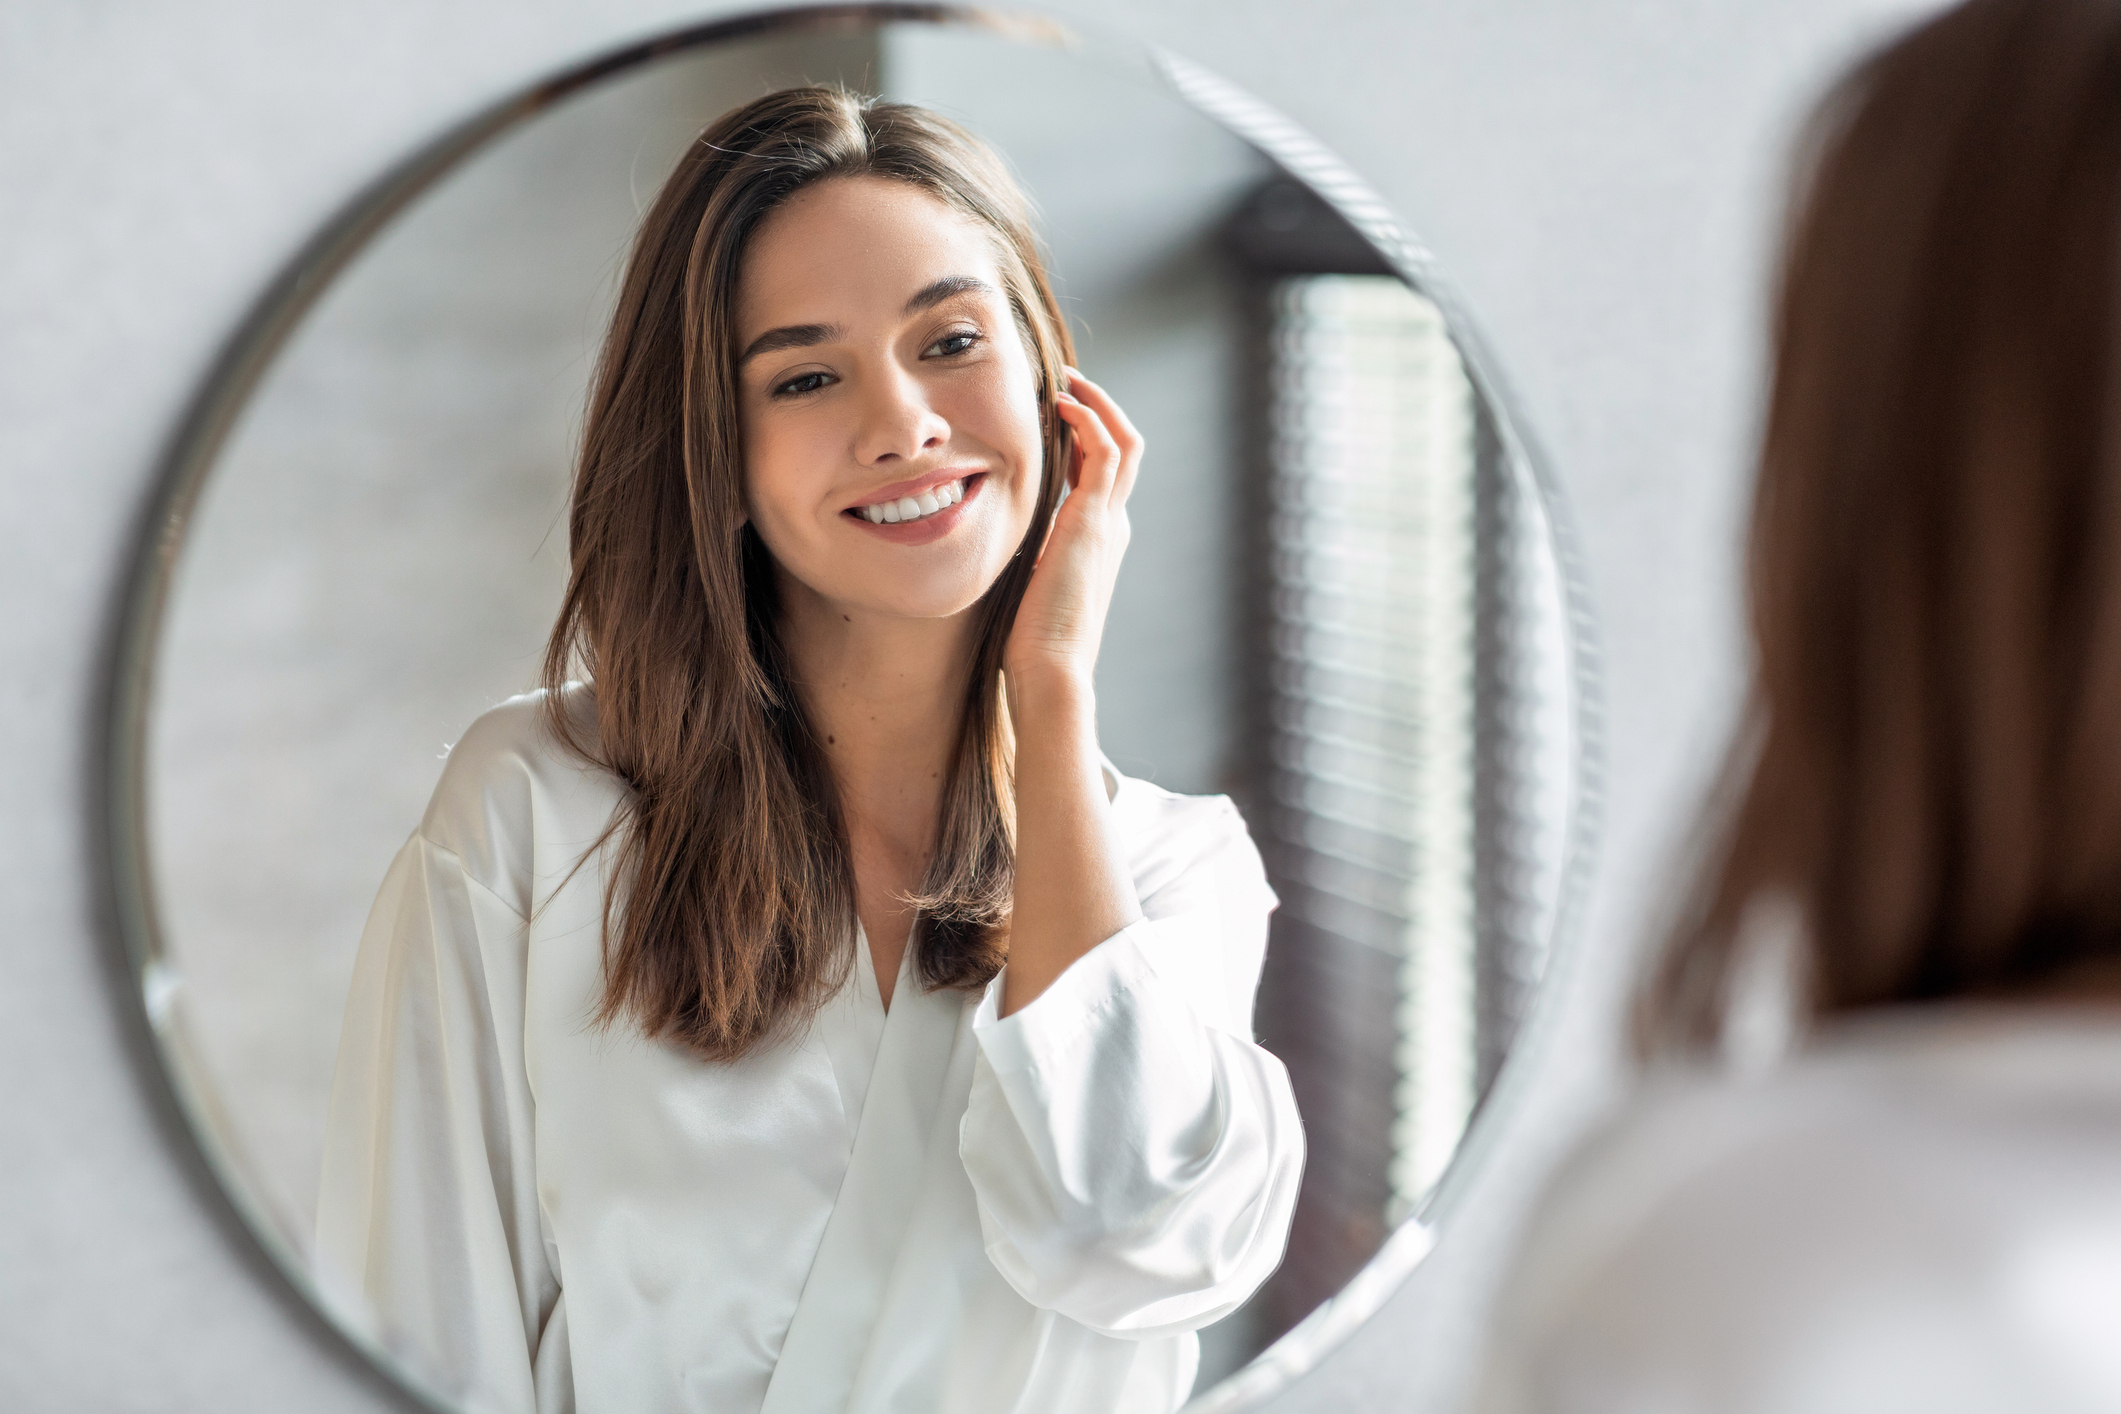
point(890, 409)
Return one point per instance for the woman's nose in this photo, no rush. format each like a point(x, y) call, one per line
point(897, 422)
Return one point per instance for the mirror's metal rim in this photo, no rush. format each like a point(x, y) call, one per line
point(120, 779)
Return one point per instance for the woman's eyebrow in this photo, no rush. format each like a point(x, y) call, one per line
point(938, 291)
point(789, 336)
point(803, 336)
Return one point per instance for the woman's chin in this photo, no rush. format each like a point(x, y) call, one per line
point(915, 603)
point(928, 608)
point(890, 593)
point(946, 592)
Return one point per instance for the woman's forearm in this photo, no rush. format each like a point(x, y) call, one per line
point(1073, 890)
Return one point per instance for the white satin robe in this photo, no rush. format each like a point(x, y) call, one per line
point(938, 1209)
point(1917, 1212)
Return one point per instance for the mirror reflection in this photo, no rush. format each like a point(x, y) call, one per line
point(557, 1154)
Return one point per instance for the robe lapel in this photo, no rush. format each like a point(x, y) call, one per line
point(850, 1027)
point(837, 1311)
point(925, 1292)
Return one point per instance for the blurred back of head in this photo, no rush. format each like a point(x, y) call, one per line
point(1930, 768)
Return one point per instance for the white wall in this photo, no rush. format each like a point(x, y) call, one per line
point(1598, 175)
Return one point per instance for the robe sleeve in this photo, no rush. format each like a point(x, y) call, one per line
point(1135, 1155)
point(429, 1232)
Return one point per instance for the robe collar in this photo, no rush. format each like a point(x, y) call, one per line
point(904, 1126)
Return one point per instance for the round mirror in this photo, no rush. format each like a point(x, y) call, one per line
point(1347, 604)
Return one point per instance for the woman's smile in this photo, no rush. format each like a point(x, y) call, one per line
point(918, 512)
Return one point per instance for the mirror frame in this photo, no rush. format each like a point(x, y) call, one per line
point(185, 1098)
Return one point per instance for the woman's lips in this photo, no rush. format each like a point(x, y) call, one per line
point(927, 528)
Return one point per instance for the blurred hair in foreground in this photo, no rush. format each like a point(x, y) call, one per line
point(1929, 770)
point(1920, 1207)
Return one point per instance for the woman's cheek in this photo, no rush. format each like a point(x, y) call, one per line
point(776, 464)
point(1012, 414)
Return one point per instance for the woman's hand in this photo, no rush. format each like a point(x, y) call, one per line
point(1073, 887)
point(1062, 617)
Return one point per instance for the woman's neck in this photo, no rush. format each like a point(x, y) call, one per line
point(884, 696)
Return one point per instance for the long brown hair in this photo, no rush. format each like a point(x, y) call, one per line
point(730, 910)
point(1930, 767)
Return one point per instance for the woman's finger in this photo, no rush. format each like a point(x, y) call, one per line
point(1100, 452)
point(1085, 391)
point(1125, 435)
point(1112, 430)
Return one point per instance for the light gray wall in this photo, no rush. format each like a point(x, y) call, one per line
point(1598, 175)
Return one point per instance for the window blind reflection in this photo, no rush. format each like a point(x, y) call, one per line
point(1373, 571)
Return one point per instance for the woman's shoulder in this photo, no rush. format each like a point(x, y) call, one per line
point(1868, 1094)
point(1889, 1078)
point(1872, 1181)
point(512, 780)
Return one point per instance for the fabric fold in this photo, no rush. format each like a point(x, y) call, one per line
point(428, 1216)
point(874, 1208)
point(1136, 1167)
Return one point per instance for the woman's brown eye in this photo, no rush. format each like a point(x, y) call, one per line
point(808, 383)
point(951, 344)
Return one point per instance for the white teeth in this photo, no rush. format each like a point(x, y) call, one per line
point(938, 498)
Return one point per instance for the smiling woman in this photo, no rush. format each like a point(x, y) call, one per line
point(924, 1074)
